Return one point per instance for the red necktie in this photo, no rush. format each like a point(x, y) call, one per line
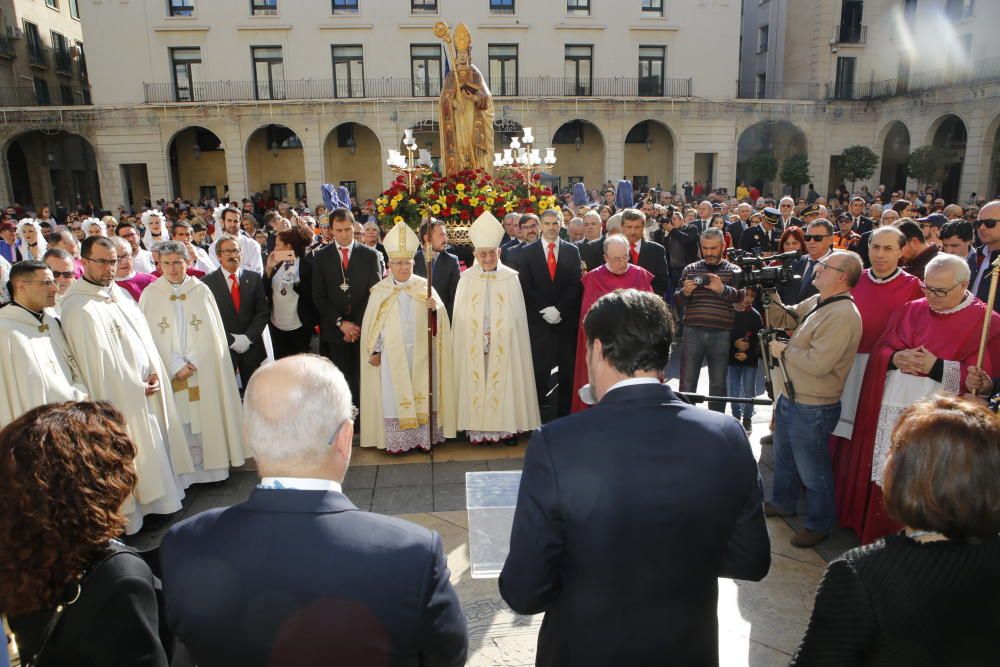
point(634, 254)
point(552, 261)
point(344, 258)
point(234, 291)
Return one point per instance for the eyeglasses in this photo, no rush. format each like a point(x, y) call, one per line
point(815, 237)
point(63, 274)
point(103, 262)
point(234, 251)
point(937, 291)
point(831, 266)
point(990, 223)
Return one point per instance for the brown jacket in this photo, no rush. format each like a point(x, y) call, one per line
point(822, 348)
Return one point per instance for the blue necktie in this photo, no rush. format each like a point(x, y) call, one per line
point(806, 277)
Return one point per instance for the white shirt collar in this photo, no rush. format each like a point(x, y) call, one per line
point(300, 484)
point(349, 247)
point(630, 382)
point(226, 274)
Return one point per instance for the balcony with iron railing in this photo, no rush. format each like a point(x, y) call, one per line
point(402, 87)
point(64, 61)
point(850, 33)
point(977, 72)
point(18, 96)
point(753, 89)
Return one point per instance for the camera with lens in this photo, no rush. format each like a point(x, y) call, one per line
point(755, 271)
point(698, 279)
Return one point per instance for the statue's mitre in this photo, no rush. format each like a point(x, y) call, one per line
point(463, 38)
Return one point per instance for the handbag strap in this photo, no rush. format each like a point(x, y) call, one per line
point(114, 548)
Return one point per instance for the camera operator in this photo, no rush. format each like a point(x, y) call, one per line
point(707, 295)
point(681, 241)
point(817, 359)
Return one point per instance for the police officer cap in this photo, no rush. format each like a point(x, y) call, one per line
point(772, 215)
point(810, 209)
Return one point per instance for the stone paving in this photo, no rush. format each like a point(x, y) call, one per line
point(760, 624)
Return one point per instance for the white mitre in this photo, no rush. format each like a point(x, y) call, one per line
point(401, 242)
point(486, 231)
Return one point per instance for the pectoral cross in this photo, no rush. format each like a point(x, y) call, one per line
point(164, 325)
point(196, 323)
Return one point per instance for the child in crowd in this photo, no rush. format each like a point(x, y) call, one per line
point(744, 353)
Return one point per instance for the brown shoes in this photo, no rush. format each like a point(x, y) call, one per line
point(806, 539)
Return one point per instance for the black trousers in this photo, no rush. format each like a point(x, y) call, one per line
point(550, 348)
point(347, 357)
point(287, 343)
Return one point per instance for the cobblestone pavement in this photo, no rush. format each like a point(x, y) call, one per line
point(760, 624)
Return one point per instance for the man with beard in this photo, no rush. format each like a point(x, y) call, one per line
point(119, 363)
point(227, 221)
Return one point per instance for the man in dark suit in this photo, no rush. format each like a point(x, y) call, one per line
point(297, 575)
point(343, 274)
point(988, 228)
point(861, 224)
point(242, 302)
point(786, 208)
point(647, 254)
point(550, 280)
point(444, 264)
point(819, 244)
point(510, 255)
point(616, 591)
point(740, 223)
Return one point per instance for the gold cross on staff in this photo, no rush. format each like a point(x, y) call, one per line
point(164, 325)
point(196, 323)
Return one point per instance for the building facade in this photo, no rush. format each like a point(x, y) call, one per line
point(199, 98)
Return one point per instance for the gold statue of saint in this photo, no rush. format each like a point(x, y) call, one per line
point(466, 108)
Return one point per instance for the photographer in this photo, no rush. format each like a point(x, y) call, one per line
point(817, 359)
point(707, 294)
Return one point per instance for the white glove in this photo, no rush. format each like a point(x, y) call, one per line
point(240, 344)
point(551, 315)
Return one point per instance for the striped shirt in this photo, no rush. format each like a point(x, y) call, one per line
point(704, 308)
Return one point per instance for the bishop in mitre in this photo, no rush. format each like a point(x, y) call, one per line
point(119, 363)
point(493, 371)
point(191, 339)
point(397, 410)
point(36, 366)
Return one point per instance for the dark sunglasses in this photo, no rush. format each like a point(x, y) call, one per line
point(815, 237)
point(63, 274)
point(990, 223)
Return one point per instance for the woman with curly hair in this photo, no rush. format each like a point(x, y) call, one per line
point(72, 594)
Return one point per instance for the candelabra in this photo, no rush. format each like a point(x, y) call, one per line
point(406, 164)
point(521, 158)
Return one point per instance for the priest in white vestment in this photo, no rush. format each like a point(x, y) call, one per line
point(36, 366)
point(191, 340)
point(119, 362)
point(494, 379)
point(397, 410)
point(4, 274)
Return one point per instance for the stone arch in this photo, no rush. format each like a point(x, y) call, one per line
point(275, 162)
point(781, 138)
point(950, 132)
point(894, 139)
point(651, 154)
point(352, 156)
point(581, 151)
point(50, 165)
point(197, 159)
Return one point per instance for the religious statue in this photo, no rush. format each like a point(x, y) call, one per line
point(466, 107)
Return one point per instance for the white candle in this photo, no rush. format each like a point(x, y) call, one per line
point(550, 155)
point(515, 144)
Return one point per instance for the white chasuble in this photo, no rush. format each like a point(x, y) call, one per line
point(115, 352)
point(494, 378)
point(395, 402)
point(186, 327)
point(36, 367)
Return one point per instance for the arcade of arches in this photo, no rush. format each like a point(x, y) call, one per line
point(49, 167)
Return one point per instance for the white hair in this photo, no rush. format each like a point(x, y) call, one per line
point(121, 245)
point(615, 238)
point(782, 200)
point(591, 215)
point(575, 222)
point(614, 224)
point(296, 424)
point(957, 265)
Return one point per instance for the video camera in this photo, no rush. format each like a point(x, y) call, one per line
point(755, 271)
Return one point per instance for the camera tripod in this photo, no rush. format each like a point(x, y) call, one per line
point(767, 334)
